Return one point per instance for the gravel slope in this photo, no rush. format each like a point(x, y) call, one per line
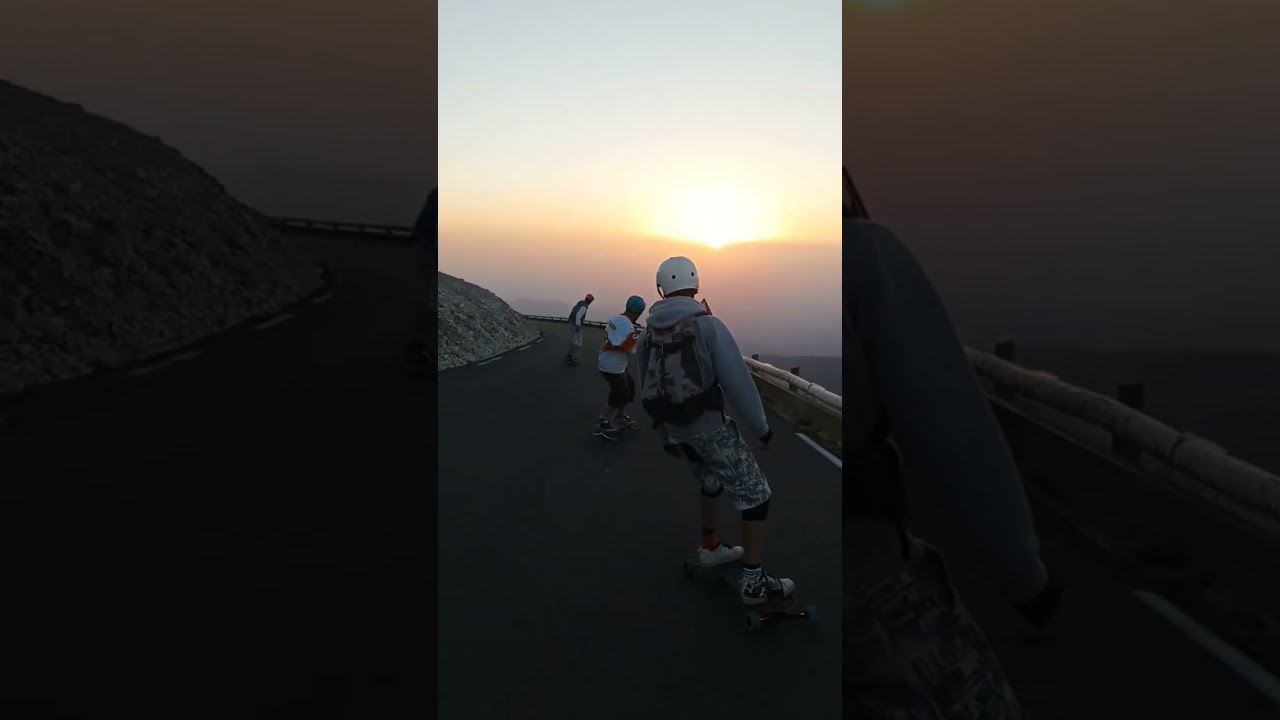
point(475, 323)
point(113, 246)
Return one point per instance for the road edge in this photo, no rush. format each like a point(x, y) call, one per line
point(20, 402)
point(490, 358)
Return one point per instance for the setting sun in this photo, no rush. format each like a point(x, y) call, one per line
point(716, 216)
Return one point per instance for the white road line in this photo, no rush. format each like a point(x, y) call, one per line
point(1244, 666)
point(821, 450)
point(273, 321)
point(147, 369)
point(521, 349)
point(322, 298)
point(490, 360)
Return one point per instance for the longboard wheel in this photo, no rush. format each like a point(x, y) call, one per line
point(753, 622)
point(811, 613)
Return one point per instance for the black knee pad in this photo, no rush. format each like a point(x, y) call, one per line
point(758, 513)
point(712, 494)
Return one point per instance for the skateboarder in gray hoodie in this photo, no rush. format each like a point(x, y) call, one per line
point(911, 650)
point(689, 364)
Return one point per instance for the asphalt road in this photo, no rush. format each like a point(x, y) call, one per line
point(1108, 655)
point(247, 533)
point(615, 517)
point(561, 592)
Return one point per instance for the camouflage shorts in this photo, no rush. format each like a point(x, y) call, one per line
point(575, 336)
point(912, 652)
point(721, 459)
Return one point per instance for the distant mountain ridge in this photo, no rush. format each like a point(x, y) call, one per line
point(549, 308)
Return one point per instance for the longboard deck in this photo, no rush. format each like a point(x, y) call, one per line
point(615, 433)
point(756, 615)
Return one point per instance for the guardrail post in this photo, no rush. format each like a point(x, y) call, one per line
point(1134, 395)
point(755, 356)
point(795, 371)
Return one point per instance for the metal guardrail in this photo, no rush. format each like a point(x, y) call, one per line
point(548, 318)
point(396, 233)
point(1242, 484)
point(795, 384)
point(798, 385)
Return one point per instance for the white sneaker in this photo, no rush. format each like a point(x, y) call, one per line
point(721, 555)
point(766, 588)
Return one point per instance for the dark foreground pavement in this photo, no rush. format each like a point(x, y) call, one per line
point(589, 607)
point(247, 531)
point(1107, 656)
point(561, 591)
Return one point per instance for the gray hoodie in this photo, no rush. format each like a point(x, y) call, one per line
point(718, 357)
point(903, 355)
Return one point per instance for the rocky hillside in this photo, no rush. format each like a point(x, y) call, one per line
point(113, 246)
point(475, 323)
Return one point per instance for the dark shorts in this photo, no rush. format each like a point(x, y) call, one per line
point(622, 388)
point(722, 460)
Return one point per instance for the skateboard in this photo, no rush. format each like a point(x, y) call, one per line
point(757, 616)
point(615, 432)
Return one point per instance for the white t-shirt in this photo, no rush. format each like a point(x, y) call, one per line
point(619, 341)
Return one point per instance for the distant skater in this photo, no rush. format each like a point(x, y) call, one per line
point(576, 316)
point(620, 337)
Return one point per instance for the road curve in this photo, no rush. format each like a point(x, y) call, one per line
point(561, 590)
point(243, 530)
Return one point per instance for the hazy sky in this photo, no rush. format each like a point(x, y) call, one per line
point(319, 108)
point(574, 134)
point(1087, 170)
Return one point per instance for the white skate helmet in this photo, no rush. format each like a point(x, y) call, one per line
point(677, 273)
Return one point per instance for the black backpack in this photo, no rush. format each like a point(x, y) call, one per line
point(674, 389)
